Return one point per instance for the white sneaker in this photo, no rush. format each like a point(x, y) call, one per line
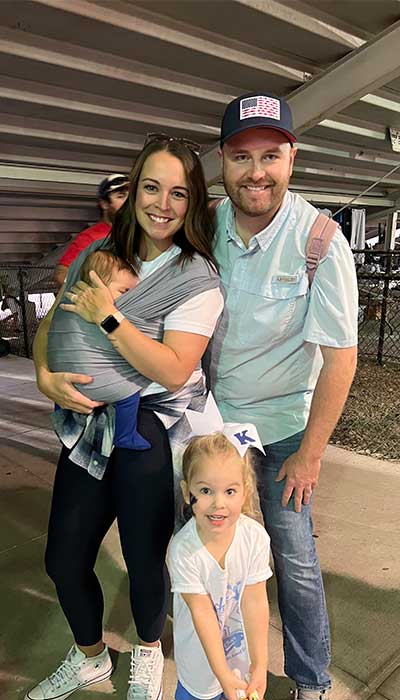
point(75, 672)
point(304, 694)
point(145, 681)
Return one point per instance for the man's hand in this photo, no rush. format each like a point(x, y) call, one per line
point(59, 387)
point(230, 684)
point(92, 303)
point(301, 475)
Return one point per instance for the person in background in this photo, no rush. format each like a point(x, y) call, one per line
point(111, 195)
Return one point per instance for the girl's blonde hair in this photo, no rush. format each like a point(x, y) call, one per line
point(218, 444)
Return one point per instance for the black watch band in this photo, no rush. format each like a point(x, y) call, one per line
point(111, 322)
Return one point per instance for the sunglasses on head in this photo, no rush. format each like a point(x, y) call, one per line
point(164, 138)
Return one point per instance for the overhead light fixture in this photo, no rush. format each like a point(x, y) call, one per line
point(351, 129)
point(381, 102)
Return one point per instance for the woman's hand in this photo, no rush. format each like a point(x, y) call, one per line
point(59, 387)
point(92, 303)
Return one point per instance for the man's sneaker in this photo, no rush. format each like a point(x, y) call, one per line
point(304, 694)
point(77, 671)
point(145, 682)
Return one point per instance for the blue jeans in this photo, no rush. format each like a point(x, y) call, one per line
point(301, 597)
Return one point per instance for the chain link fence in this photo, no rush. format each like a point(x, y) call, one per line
point(371, 417)
point(27, 294)
point(370, 421)
point(378, 277)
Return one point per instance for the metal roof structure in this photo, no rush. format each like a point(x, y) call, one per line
point(83, 81)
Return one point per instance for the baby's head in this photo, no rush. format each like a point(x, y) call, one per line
point(217, 482)
point(117, 275)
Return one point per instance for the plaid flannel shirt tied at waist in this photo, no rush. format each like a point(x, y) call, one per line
point(91, 437)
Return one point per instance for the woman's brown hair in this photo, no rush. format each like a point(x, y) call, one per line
point(197, 232)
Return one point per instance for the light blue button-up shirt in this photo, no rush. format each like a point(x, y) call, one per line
point(265, 356)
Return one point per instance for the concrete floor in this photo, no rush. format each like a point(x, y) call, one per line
point(356, 514)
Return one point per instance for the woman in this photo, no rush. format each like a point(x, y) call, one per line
point(165, 220)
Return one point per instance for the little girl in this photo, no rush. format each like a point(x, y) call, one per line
point(219, 563)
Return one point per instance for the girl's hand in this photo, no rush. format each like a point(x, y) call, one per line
point(231, 684)
point(258, 683)
point(92, 303)
point(59, 387)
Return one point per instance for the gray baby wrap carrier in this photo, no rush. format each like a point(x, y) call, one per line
point(74, 345)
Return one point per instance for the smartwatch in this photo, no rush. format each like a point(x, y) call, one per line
point(111, 322)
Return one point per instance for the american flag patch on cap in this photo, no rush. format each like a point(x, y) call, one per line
point(261, 106)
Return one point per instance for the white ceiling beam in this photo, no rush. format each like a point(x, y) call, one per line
point(347, 126)
point(382, 102)
point(341, 200)
point(310, 167)
point(301, 20)
point(320, 185)
point(62, 189)
point(325, 17)
point(59, 158)
point(152, 25)
point(72, 56)
point(313, 159)
point(85, 103)
point(21, 199)
point(345, 150)
point(326, 198)
point(40, 211)
point(49, 130)
point(18, 172)
point(357, 74)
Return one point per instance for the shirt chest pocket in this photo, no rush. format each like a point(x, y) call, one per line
point(276, 311)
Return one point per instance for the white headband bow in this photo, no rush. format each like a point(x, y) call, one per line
point(241, 435)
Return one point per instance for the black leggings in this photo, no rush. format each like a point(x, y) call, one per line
point(137, 489)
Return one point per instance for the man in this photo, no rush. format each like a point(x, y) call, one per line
point(283, 357)
point(111, 194)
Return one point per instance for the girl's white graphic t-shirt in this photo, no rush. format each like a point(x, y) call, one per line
point(194, 570)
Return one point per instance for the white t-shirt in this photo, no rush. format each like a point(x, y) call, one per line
point(198, 315)
point(194, 570)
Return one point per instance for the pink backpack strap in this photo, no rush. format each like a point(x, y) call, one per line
point(318, 242)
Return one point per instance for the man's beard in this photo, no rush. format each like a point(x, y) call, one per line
point(238, 196)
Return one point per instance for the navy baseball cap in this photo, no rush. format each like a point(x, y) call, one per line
point(110, 184)
point(257, 109)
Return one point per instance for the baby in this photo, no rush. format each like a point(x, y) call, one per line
point(118, 275)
